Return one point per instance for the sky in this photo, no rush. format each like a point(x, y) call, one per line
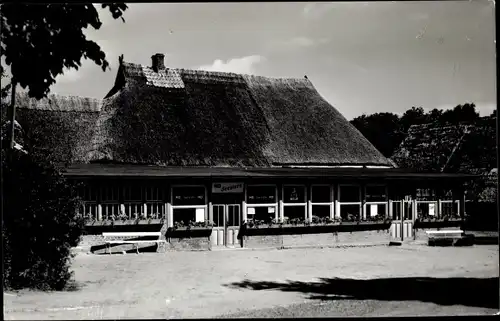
point(361, 57)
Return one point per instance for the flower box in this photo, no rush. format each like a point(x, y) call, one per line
point(125, 222)
point(189, 232)
point(313, 228)
point(440, 223)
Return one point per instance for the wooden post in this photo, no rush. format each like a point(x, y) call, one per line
point(99, 212)
point(244, 204)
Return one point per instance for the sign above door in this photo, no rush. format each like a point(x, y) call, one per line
point(227, 188)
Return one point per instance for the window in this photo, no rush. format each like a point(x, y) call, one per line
point(350, 202)
point(321, 194)
point(322, 201)
point(189, 204)
point(426, 209)
point(132, 193)
point(450, 208)
point(376, 202)
point(155, 207)
point(349, 194)
point(262, 203)
point(294, 194)
point(257, 194)
point(425, 194)
point(110, 197)
point(376, 193)
point(350, 212)
point(294, 202)
point(110, 194)
point(188, 195)
point(132, 201)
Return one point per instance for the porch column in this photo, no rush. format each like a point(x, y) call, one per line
point(461, 203)
point(363, 201)
point(337, 204)
point(309, 204)
point(281, 209)
point(244, 204)
point(332, 198)
point(99, 212)
point(170, 216)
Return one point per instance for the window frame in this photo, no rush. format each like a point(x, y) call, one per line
point(340, 203)
point(331, 204)
point(174, 207)
point(248, 205)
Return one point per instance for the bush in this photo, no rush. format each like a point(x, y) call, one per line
point(40, 223)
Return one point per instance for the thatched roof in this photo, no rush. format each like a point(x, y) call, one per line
point(61, 126)
point(465, 148)
point(178, 117)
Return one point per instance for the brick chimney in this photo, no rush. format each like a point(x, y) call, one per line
point(158, 62)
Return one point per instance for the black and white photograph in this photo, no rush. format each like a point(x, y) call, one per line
point(211, 160)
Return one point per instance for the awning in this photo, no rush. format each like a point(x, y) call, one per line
point(138, 171)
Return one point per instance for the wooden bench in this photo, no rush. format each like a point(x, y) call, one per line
point(445, 234)
point(118, 238)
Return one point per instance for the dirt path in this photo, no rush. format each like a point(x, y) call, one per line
point(210, 284)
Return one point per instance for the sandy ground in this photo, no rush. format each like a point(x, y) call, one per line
point(375, 281)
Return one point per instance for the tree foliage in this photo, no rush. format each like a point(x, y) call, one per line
point(39, 40)
point(40, 222)
point(386, 130)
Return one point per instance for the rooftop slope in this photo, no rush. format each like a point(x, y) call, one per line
point(179, 117)
point(61, 126)
point(467, 147)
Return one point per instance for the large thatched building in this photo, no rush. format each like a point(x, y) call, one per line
point(171, 146)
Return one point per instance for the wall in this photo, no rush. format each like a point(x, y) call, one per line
point(362, 238)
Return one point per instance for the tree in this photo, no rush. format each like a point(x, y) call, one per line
point(413, 116)
point(40, 220)
point(39, 40)
point(382, 130)
point(40, 223)
point(461, 113)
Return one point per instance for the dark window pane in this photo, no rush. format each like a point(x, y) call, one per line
point(291, 212)
point(373, 210)
point(375, 194)
point(132, 193)
point(321, 210)
point(350, 212)
point(261, 194)
point(396, 210)
point(294, 194)
point(349, 193)
point(426, 210)
point(184, 215)
point(218, 214)
point(321, 194)
point(192, 195)
point(233, 216)
point(426, 194)
point(266, 214)
point(110, 193)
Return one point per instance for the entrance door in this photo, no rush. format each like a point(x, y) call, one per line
point(402, 220)
point(227, 221)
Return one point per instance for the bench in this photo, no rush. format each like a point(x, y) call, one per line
point(445, 234)
point(117, 238)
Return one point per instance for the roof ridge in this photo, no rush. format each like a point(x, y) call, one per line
point(220, 73)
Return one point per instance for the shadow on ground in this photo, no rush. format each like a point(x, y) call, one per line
point(473, 292)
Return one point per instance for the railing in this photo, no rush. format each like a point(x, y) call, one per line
point(89, 210)
point(109, 210)
point(133, 210)
point(155, 210)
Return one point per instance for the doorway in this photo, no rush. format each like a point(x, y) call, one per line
point(402, 219)
point(226, 211)
point(227, 221)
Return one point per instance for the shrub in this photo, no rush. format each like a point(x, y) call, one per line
point(40, 223)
